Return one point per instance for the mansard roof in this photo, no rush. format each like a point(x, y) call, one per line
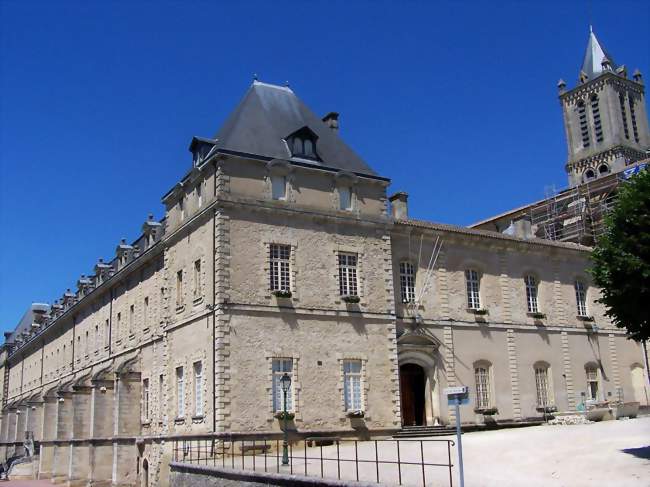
point(267, 115)
point(594, 57)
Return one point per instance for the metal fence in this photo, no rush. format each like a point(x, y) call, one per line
point(401, 462)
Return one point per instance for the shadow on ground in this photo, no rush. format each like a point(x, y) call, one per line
point(641, 452)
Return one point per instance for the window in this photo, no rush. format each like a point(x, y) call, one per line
point(603, 169)
point(589, 174)
point(352, 385)
point(584, 128)
point(180, 392)
point(281, 366)
point(131, 317)
point(635, 129)
point(96, 343)
point(473, 289)
point(581, 298)
point(482, 379)
point(198, 388)
point(407, 281)
point(119, 324)
point(345, 198)
point(181, 208)
point(145, 399)
point(179, 288)
point(279, 260)
point(199, 195)
point(592, 382)
point(107, 333)
point(145, 312)
point(595, 112)
point(197, 278)
point(278, 187)
point(303, 143)
point(348, 274)
point(541, 385)
point(531, 294)
point(621, 100)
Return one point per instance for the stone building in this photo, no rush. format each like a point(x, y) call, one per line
point(280, 252)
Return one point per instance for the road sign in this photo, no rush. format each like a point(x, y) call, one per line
point(456, 390)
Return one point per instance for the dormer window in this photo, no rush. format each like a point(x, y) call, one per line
point(303, 143)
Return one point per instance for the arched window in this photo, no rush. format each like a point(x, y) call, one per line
point(621, 100)
point(595, 112)
point(603, 169)
point(589, 175)
point(482, 374)
point(581, 297)
point(584, 126)
point(593, 383)
point(542, 385)
point(407, 281)
point(473, 281)
point(531, 293)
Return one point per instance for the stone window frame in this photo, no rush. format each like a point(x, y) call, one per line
point(351, 181)
point(365, 386)
point(145, 417)
point(277, 167)
point(580, 279)
point(199, 415)
point(415, 279)
point(486, 364)
point(600, 394)
point(361, 280)
point(550, 390)
point(538, 284)
point(179, 289)
point(200, 257)
point(295, 382)
point(472, 266)
point(266, 269)
point(180, 418)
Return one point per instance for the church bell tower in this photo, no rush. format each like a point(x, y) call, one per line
point(605, 117)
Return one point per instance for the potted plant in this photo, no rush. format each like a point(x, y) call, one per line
point(537, 315)
point(281, 293)
point(355, 413)
point(281, 415)
point(351, 299)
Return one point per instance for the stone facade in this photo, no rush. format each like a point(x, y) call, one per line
point(184, 334)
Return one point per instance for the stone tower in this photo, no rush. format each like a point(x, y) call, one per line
point(605, 117)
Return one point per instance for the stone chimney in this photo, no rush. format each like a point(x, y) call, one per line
point(399, 205)
point(332, 121)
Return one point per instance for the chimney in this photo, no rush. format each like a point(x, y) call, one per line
point(332, 121)
point(399, 205)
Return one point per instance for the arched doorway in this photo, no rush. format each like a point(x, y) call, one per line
point(412, 393)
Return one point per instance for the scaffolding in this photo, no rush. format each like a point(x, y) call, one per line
point(575, 214)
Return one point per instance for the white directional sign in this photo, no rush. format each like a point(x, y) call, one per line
point(451, 391)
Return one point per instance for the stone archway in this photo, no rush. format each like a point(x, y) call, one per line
point(419, 384)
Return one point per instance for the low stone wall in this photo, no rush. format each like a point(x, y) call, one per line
point(187, 475)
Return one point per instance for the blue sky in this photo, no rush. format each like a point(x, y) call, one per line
point(455, 101)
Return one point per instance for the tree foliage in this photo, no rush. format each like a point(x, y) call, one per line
point(621, 258)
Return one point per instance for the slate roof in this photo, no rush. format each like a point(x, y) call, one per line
point(25, 323)
point(594, 56)
point(268, 114)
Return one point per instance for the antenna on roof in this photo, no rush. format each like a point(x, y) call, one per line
point(255, 77)
point(286, 83)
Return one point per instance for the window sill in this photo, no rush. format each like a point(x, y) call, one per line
point(198, 418)
point(179, 420)
point(585, 318)
point(131, 337)
point(180, 308)
point(146, 424)
point(197, 301)
point(351, 299)
point(146, 330)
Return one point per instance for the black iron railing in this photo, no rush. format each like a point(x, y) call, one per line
point(402, 462)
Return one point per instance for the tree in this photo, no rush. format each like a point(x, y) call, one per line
point(621, 258)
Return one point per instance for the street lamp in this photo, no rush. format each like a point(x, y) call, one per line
point(285, 382)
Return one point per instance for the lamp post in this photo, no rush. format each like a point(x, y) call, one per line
point(285, 382)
